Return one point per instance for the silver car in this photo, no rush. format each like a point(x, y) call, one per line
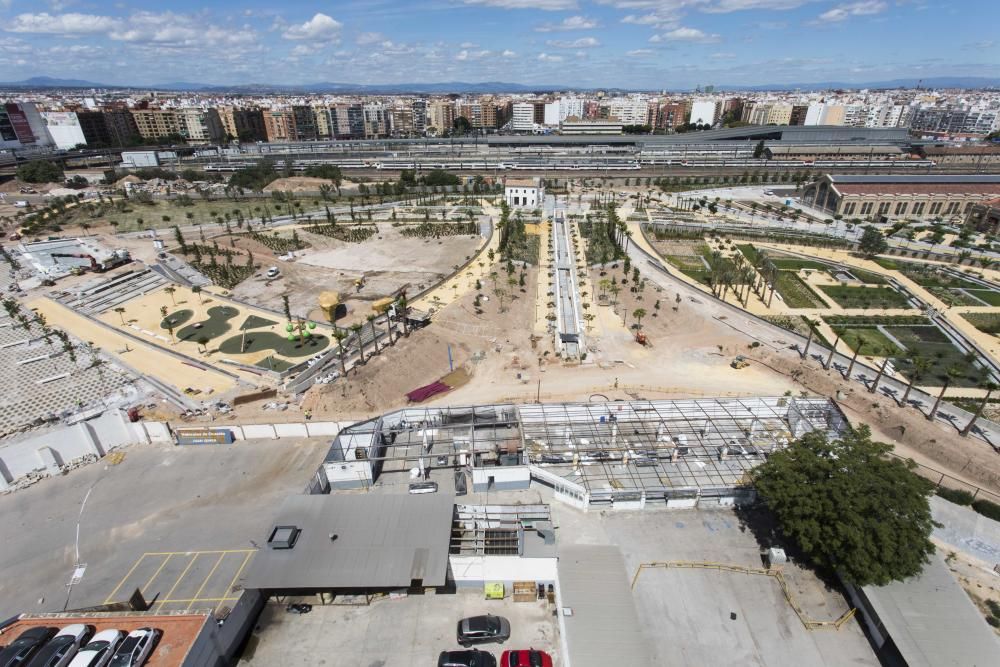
point(135, 649)
point(98, 650)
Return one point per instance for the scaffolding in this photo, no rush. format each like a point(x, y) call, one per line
point(607, 452)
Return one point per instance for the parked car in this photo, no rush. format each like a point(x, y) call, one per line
point(98, 651)
point(525, 658)
point(135, 648)
point(61, 648)
point(27, 643)
point(473, 658)
point(273, 272)
point(483, 629)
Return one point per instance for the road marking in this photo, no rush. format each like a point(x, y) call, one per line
point(124, 579)
point(237, 575)
point(155, 574)
point(199, 553)
point(190, 600)
point(179, 580)
point(197, 595)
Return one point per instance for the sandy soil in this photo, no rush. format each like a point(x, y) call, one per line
point(297, 184)
point(975, 576)
point(387, 262)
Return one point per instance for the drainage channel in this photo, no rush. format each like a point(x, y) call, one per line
point(567, 297)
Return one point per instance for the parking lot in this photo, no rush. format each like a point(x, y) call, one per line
point(185, 580)
point(159, 520)
point(392, 633)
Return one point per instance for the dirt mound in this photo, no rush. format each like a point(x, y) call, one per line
point(297, 184)
point(16, 185)
point(131, 178)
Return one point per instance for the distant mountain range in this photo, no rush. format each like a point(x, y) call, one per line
point(484, 87)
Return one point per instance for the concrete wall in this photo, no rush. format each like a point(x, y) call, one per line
point(47, 451)
point(504, 478)
point(476, 570)
point(308, 429)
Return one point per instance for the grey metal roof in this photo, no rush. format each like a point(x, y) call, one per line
point(604, 627)
point(915, 179)
point(383, 541)
point(933, 622)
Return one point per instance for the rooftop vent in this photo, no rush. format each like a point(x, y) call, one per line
point(283, 537)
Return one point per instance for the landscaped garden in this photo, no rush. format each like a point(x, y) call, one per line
point(852, 296)
point(795, 292)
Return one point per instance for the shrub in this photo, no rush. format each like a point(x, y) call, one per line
point(988, 509)
point(994, 621)
point(955, 496)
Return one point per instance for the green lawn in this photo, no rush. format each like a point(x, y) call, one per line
point(985, 322)
point(875, 343)
point(265, 340)
point(216, 324)
point(848, 296)
point(991, 297)
point(796, 293)
point(954, 297)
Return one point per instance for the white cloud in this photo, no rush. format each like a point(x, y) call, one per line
point(179, 30)
point(546, 58)
point(306, 49)
point(844, 12)
point(369, 38)
point(722, 56)
point(468, 45)
point(62, 24)
point(545, 5)
point(685, 35)
point(465, 54)
point(640, 53)
point(569, 23)
point(508, 53)
point(320, 26)
point(582, 43)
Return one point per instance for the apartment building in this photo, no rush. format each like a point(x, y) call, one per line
point(441, 116)
point(278, 125)
point(155, 123)
point(523, 117)
point(377, 120)
point(303, 123)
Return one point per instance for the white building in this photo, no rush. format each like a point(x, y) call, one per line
point(64, 128)
point(523, 118)
point(523, 192)
point(552, 113)
point(569, 106)
point(703, 112)
point(630, 111)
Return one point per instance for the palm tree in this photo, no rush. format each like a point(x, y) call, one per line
point(356, 330)
point(920, 367)
point(340, 335)
point(196, 289)
point(401, 309)
point(170, 290)
point(990, 387)
point(121, 314)
point(638, 314)
point(371, 323)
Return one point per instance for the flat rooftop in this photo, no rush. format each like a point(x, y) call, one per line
point(379, 541)
point(179, 630)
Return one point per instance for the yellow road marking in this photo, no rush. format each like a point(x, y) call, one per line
point(179, 580)
point(156, 574)
point(210, 573)
point(189, 600)
point(121, 583)
point(199, 553)
point(237, 575)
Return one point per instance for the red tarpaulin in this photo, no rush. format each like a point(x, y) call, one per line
point(423, 393)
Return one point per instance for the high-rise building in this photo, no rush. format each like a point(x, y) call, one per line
point(278, 125)
point(155, 124)
point(303, 123)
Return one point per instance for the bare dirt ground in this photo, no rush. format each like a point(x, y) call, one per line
point(976, 577)
point(297, 184)
point(388, 262)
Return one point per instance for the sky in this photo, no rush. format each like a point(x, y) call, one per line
point(632, 44)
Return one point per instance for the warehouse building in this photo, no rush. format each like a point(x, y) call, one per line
point(882, 198)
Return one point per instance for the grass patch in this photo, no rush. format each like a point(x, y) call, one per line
point(874, 341)
point(266, 340)
point(985, 322)
point(216, 324)
point(868, 277)
point(887, 263)
point(749, 251)
point(953, 297)
point(946, 360)
point(796, 293)
point(256, 322)
point(273, 363)
point(991, 297)
point(177, 318)
point(848, 296)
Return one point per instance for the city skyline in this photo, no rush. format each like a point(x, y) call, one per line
point(631, 44)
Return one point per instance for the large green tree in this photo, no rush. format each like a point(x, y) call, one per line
point(40, 171)
point(872, 242)
point(849, 507)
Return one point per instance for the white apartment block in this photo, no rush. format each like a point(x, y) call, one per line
point(703, 112)
point(523, 118)
point(630, 111)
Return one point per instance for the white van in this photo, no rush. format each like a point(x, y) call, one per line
point(273, 272)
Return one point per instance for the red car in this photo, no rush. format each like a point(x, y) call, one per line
point(525, 658)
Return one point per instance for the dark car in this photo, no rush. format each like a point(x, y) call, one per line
point(483, 629)
point(473, 658)
point(25, 646)
point(525, 658)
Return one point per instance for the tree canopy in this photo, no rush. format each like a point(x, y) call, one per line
point(40, 171)
point(848, 507)
point(872, 242)
point(255, 177)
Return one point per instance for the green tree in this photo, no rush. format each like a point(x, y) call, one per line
point(758, 150)
point(40, 171)
point(848, 507)
point(872, 242)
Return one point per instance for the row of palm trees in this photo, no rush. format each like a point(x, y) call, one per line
point(341, 334)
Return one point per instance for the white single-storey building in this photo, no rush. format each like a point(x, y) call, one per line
point(524, 192)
